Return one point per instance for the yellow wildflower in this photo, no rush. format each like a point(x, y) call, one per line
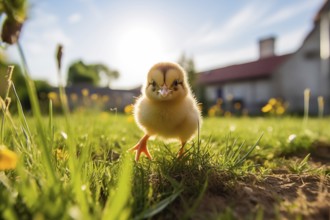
point(213, 111)
point(272, 101)
point(94, 97)
point(129, 109)
point(130, 118)
point(52, 96)
point(267, 108)
point(85, 92)
point(280, 110)
point(61, 154)
point(8, 159)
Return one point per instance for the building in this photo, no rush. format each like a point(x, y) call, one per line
point(287, 76)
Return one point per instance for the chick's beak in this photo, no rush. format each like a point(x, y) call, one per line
point(164, 91)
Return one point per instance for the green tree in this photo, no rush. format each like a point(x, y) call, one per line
point(188, 65)
point(81, 73)
point(109, 74)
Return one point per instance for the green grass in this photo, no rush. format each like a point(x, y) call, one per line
point(87, 173)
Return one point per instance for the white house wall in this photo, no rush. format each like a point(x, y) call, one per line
point(253, 93)
point(302, 70)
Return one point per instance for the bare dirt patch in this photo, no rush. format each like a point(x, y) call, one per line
point(283, 196)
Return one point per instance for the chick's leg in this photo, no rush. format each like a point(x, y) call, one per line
point(181, 151)
point(141, 147)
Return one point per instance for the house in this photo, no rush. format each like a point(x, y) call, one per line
point(252, 84)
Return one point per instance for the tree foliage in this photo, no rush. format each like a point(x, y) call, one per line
point(188, 65)
point(81, 73)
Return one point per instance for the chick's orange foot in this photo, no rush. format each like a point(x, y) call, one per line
point(181, 150)
point(141, 147)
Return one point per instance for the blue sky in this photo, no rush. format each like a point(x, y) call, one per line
point(131, 35)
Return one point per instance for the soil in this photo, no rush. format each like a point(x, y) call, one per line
point(281, 195)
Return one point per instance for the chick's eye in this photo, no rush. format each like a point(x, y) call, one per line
point(152, 83)
point(175, 83)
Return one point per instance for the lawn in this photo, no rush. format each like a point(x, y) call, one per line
point(78, 167)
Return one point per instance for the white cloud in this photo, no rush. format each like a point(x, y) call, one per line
point(208, 61)
point(244, 19)
point(287, 13)
point(74, 18)
point(291, 41)
point(40, 36)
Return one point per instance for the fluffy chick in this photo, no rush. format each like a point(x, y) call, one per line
point(166, 108)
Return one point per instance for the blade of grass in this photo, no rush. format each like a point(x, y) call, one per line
point(160, 206)
point(193, 207)
point(116, 205)
point(243, 158)
point(37, 115)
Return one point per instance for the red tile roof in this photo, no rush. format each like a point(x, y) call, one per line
point(256, 69)
point(324, 8)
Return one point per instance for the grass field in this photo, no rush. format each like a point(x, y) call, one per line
point(78, 168)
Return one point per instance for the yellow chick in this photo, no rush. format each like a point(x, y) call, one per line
point(167, 108)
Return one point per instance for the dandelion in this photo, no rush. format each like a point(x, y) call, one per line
point(8, 158)
point(272, 101)
point(280, 110)
point(85, 92)
point(52, 96)
point(129, 109)
point(274, 106)
point(130, 118)
point(94, 97)
point(211, 112)
point(267, 108)
point(61, 154)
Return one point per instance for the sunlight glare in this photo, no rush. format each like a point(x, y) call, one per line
point(138, 44)
point(138, 47)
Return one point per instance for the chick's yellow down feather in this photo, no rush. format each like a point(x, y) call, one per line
point(166, 108)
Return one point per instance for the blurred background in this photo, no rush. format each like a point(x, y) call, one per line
point(243, 57)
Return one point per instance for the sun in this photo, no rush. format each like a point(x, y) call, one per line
point(135, 47)
point(139, 43)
